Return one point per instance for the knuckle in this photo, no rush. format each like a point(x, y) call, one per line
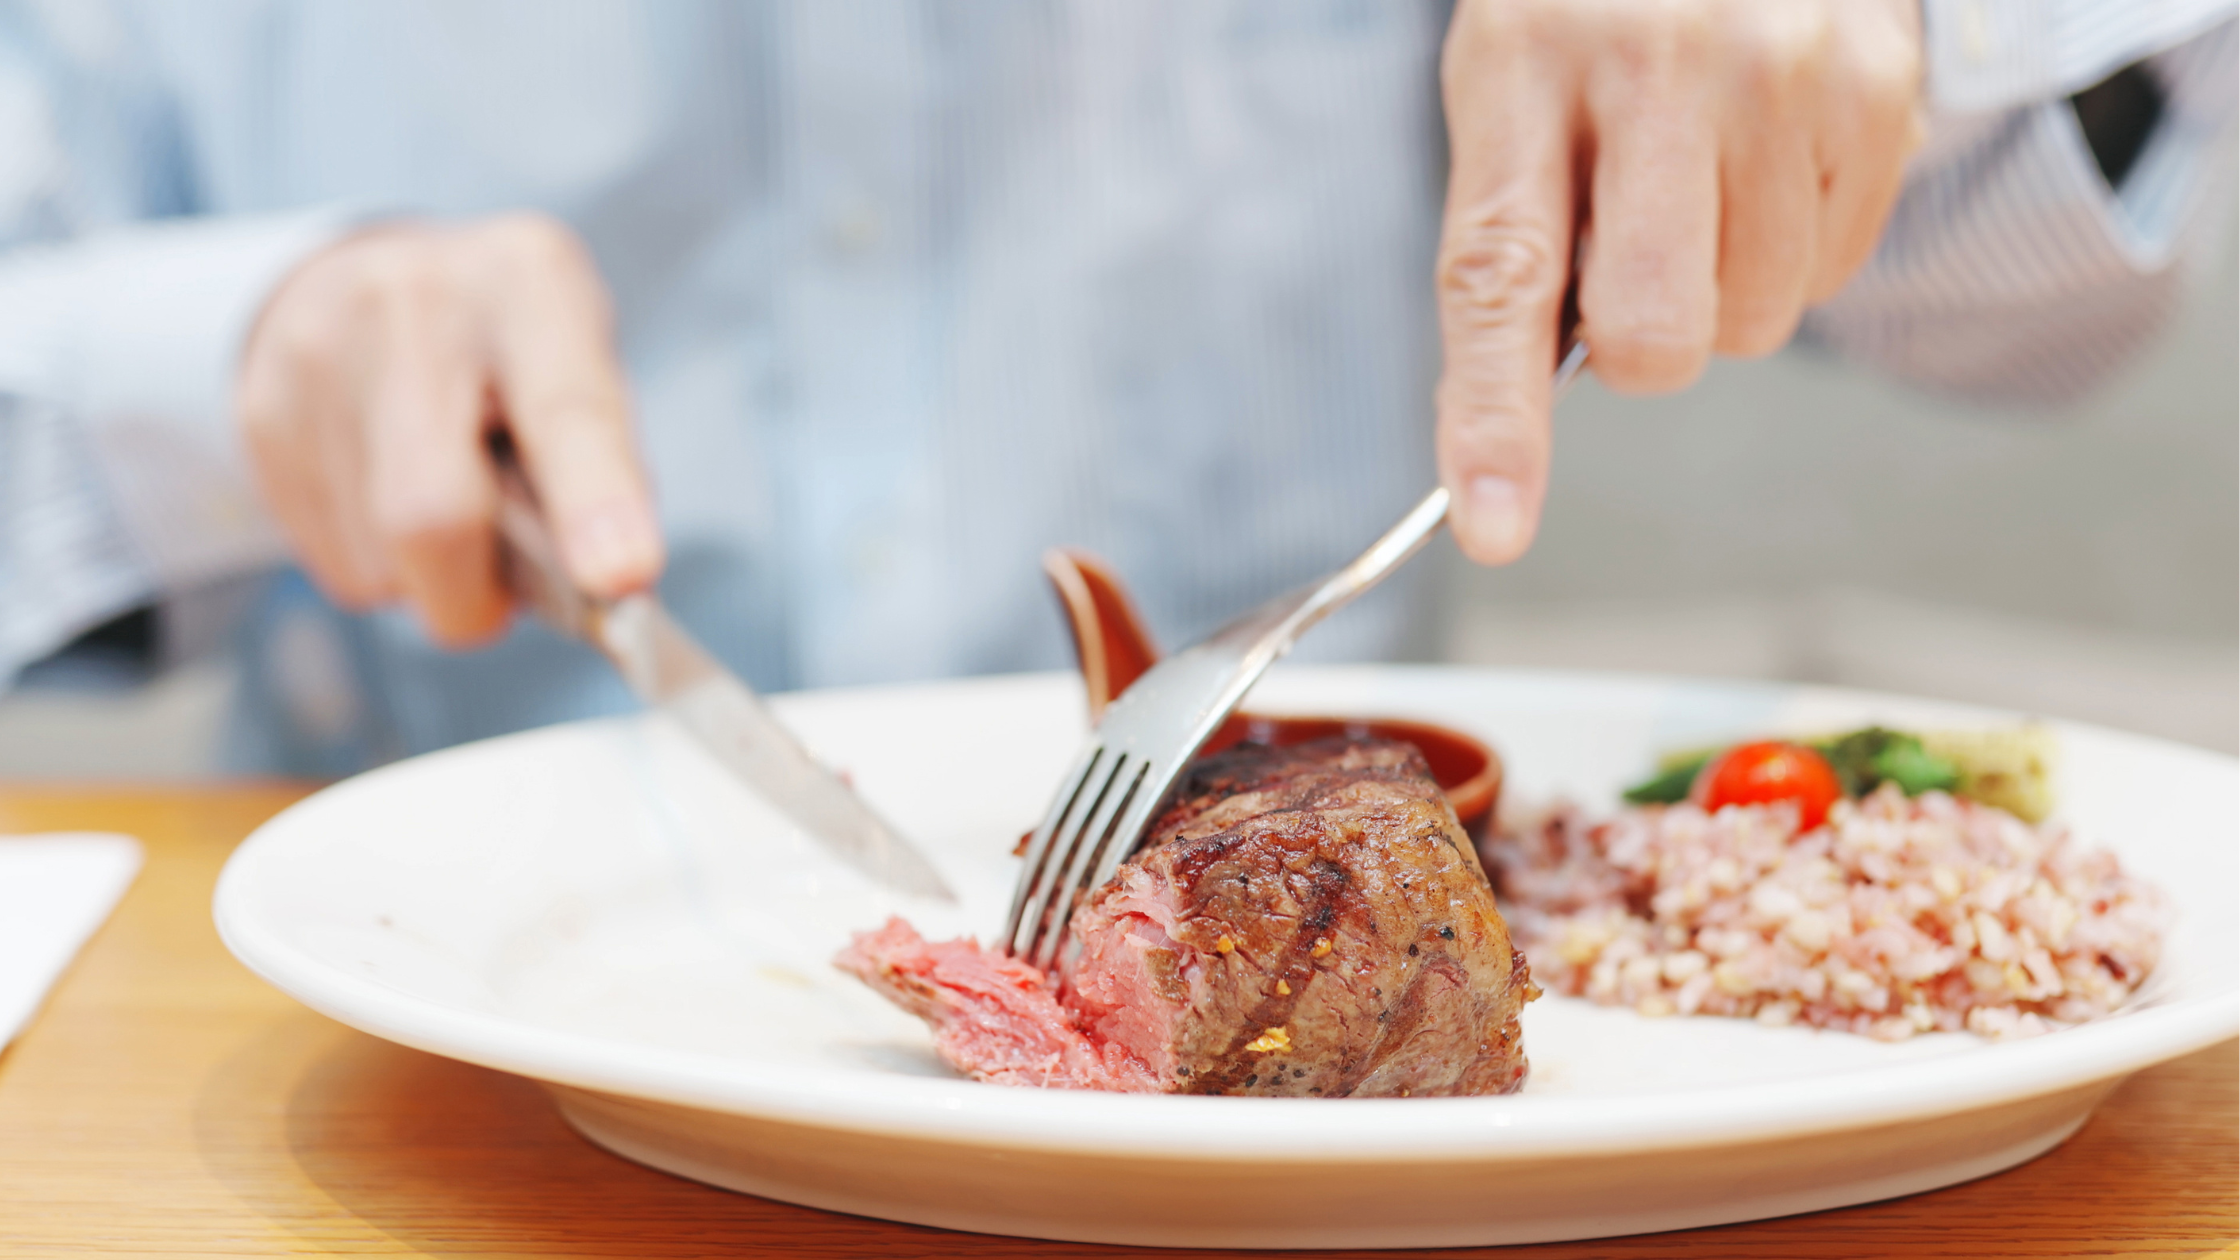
point(1495, 271)
point(1495, 28)
point(538, 241)
point(1648, 357)
point(1763, 87)
point(1885, 70)
point(303, 325)
point(537, 256)
point(1634, 55)
point(1889, 91)
point(409, 282)
point(1691, 28)
point(1651, 38)
point(1774, 69)
point(297, 354)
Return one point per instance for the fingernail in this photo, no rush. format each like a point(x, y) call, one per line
point(616, 546)
point(1495, 516)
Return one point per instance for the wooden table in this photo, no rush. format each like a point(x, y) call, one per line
point(168, 1102)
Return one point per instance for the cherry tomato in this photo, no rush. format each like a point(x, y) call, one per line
point(1762, 773)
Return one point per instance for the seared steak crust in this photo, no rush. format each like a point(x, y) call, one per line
point(1315, 922)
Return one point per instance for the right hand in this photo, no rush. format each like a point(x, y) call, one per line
point(367, 387)
point(1727, 162)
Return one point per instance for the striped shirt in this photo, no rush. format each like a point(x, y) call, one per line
point(907, 293)
point(2010, 271)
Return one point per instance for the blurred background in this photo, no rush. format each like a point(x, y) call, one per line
point(1802, 519)
point(1795, 518)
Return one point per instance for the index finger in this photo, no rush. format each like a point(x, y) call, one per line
point(1504, 261)
point(562, 393)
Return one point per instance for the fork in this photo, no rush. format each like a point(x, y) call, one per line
point(1149, 734)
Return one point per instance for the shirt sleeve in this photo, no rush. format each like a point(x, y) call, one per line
point(2010, 272)
point(134, 334)
point(1991, 55)
point(122, 316)
point(65, 564)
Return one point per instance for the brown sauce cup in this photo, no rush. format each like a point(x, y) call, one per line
point(1114, 650)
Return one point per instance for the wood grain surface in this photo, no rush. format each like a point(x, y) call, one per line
point(167, 1102)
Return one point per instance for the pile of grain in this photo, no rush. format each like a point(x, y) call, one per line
point(1899, 915)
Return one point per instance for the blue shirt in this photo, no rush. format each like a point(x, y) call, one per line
point(907, 293)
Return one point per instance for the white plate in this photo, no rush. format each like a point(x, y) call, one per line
point(597, 907)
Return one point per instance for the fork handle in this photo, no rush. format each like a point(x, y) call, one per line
point(1406, 538)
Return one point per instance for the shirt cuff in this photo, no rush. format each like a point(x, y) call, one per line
point(1990, 55)
point(65, 565)
point(136, 335)
point(2010, 272)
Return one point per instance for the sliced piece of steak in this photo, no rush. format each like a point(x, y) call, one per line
point(993, 1017)
point(1308, 921)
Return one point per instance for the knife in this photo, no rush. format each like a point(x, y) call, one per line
point(671, 672)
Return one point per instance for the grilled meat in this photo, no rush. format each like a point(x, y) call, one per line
point(1306, 921)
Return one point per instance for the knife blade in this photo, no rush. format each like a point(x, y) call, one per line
point(670, 671)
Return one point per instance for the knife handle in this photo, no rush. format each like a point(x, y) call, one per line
point(529, 563)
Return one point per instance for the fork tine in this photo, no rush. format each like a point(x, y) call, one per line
point(1066, 831)
point(1040, 842)
point(1096, 836)
point(1134, 821)
point(1062, 890)
point(1046, 851)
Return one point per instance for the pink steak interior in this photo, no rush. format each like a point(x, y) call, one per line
point(998, 1019)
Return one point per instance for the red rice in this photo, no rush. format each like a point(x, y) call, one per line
point(1898, 915)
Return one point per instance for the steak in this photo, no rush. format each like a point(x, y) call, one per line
point(1305, 921)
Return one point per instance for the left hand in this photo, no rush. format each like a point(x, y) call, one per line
point(1726, 164)
point(368, 385)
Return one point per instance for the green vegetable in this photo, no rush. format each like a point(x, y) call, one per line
point(1671, 783)
point(1866, 759)
point(1915, 769)
point(1863, 761)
